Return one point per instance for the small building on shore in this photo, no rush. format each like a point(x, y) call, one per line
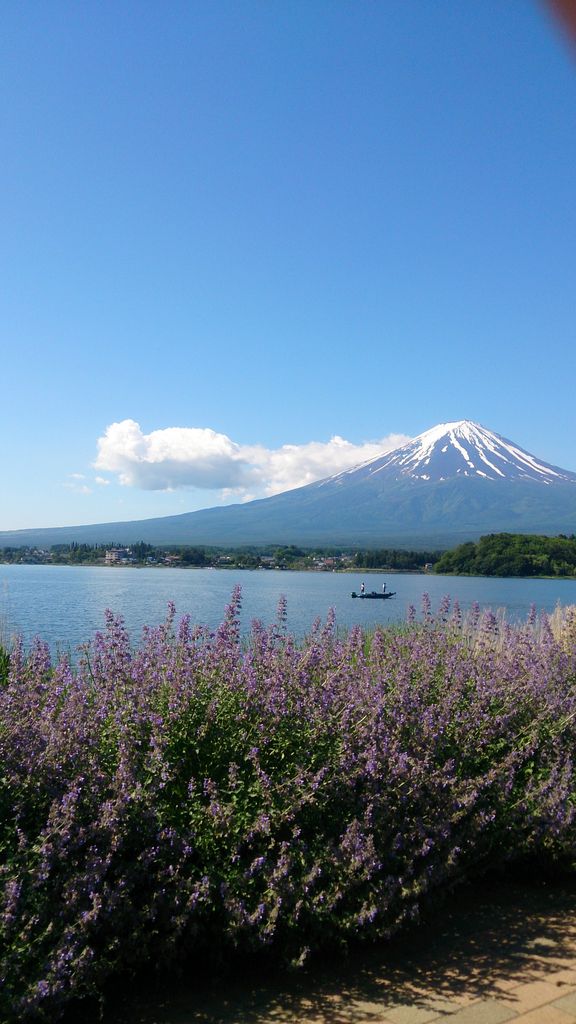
point(116, 556)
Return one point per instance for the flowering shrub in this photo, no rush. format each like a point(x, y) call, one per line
point(205, 790)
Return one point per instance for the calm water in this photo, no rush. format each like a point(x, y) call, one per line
point(65, 604)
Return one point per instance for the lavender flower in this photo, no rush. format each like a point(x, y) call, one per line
point(205, 789)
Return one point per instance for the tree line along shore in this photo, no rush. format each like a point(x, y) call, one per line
point(271, 557)
point(497, 554)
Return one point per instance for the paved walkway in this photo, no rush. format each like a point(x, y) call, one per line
point(496, 952)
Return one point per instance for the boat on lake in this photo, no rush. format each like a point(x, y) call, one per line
point(374, 595)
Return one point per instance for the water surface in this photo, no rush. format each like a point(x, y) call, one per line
point(65, 604)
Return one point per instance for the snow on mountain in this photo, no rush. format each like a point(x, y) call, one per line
point(459, 449)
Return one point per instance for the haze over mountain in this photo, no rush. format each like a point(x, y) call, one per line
point(452, 483)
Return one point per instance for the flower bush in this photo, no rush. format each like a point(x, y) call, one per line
point(207, 791)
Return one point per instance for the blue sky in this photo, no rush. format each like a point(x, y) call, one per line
point(246, 243)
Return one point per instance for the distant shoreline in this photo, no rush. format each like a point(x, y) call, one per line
point(220, 568)
point(288, 569)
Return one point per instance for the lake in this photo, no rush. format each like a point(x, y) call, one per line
point(65, 604)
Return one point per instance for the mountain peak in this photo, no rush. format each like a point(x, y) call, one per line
point(458, 449)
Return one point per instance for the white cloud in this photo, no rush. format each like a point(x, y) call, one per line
point(74, 484)
point(292, 465)
point(201, 458)
point(171, 458)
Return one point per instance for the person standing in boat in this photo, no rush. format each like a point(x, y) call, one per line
point(362, 588)
point(383, 588)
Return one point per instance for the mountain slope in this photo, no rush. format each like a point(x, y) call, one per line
point(454, 482)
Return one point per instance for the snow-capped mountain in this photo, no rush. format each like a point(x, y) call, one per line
point(455, 482)
point(460, 449)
